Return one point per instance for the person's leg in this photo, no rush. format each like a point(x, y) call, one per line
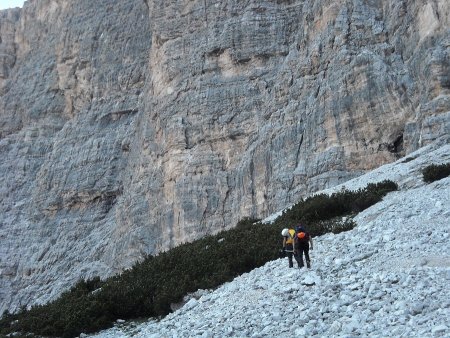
point(297, 259)
point(291, 264)
point(308, 261)
point(300, 257)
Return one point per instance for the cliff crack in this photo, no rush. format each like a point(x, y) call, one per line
point(114, 116)
point(297, 156)
point(297, 160)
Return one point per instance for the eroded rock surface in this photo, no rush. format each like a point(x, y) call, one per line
point(130, 127)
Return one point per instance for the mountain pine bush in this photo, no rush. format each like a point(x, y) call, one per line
point(151, 286)
point(436, 172)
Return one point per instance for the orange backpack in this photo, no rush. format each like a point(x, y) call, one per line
point(302, 236)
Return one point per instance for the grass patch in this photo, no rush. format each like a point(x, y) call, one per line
point(436, 172)
point(149, 288)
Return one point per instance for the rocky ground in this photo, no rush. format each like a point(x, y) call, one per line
point(388, 277)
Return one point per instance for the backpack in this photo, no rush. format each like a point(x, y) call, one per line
point(302, 236)
point(290, 238)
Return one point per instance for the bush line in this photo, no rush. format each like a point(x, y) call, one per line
point(149, 288)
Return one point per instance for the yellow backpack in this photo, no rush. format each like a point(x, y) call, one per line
point(290, 238)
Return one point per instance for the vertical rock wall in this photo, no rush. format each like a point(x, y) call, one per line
point(70, 95)
point(251, 104)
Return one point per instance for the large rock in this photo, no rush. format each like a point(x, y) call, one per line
point(68, 115)
point(129, 128)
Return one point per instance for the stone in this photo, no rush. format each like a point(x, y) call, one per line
point(129, 129)
point(439, 329)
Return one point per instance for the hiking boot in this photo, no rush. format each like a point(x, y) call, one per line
point(308, 265)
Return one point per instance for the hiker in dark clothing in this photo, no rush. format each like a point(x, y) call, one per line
point(302, 242)
point(288, 244)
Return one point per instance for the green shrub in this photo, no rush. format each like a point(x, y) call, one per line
point(436, 172)
point(335, 225)
point(323, 207)
point(151, 286)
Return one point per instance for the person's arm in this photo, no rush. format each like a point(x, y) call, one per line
point(284, 243)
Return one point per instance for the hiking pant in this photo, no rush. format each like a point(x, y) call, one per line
point(290, 254)
point(303, 248)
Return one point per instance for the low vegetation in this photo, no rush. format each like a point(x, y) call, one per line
point(436, 172)
point(149, 288)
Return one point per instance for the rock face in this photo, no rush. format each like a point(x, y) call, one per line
point(128, 128)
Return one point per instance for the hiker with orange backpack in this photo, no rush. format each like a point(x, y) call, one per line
point(288, 244)
point(302, 241)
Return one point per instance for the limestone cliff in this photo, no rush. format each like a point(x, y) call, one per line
point(129, 127)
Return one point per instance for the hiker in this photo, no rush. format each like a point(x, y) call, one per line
point(302, 243)
point(288, 244)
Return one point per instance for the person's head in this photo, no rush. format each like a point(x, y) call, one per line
point(299, 227)
point(285, 232)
